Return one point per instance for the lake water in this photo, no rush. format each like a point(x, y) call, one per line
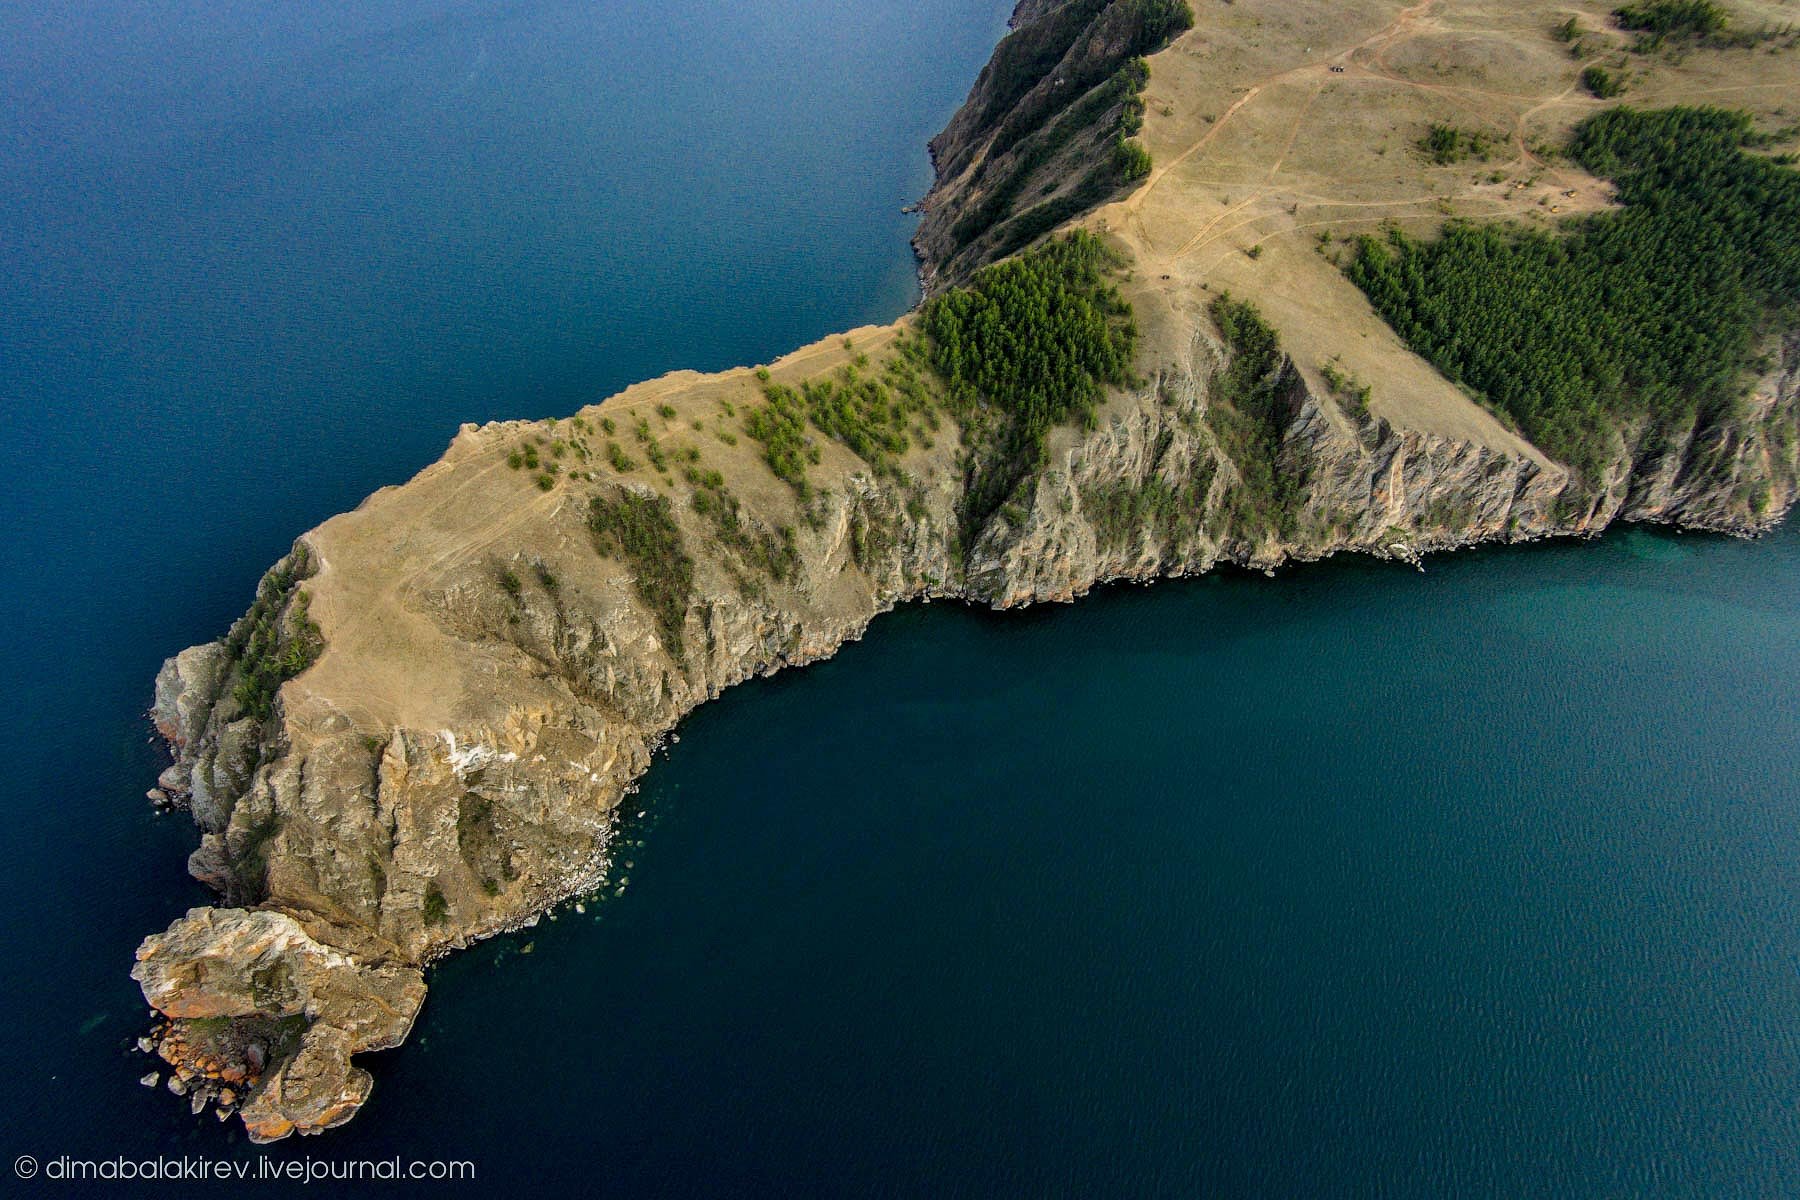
point(1355, 881)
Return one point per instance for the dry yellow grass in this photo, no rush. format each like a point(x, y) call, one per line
point(1270, 122)
point(1273, 122)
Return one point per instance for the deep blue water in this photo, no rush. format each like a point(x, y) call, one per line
point(1354, 881)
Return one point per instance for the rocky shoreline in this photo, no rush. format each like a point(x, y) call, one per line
point(421, 734)
point(337, 981)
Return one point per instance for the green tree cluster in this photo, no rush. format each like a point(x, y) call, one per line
point(276, 639)
point(436, 909)
point(1447, 144)
point(780, 425)
point(1120, 95)
point(873, 414)
point(757, 548)
point(1116, 32)
point(640, 531)
point(1096, 49)
point(1650, 312)
point(1034, 340)
point(1121, 510)
point(1672, 18)
point(1038, 336)
point(1601, 83)
point(1247, 413)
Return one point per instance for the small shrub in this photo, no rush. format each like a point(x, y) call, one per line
point(1447, 144)
point(1350, 391)
point(621, 461)
point(437, 909)
point(1131, 159)
point(1602, 83)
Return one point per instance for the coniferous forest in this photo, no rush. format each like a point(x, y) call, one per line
point(1039, 335)
point(1032, 341)
point(1653, 312)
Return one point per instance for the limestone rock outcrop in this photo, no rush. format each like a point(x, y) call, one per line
point(256, 1002)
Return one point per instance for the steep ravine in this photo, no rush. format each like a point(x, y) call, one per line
point(490, 685)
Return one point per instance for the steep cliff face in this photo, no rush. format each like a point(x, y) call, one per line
point(1039, 141)
point(1151, 492)
point(1737, 477)
point(356, 849)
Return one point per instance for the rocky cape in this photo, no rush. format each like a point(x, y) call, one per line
point(480, 684)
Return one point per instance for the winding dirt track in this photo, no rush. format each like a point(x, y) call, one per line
point(1364, 61)
point(1320, 69)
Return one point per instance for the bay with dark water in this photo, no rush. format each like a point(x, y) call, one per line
point(1353, 881)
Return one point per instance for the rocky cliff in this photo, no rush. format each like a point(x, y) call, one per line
point(1040, 139)
point(357, 842)
point(420, 734)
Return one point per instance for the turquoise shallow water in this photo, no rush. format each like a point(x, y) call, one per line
point(1354, 881)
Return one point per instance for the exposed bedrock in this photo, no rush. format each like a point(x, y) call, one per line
point(355, 851)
